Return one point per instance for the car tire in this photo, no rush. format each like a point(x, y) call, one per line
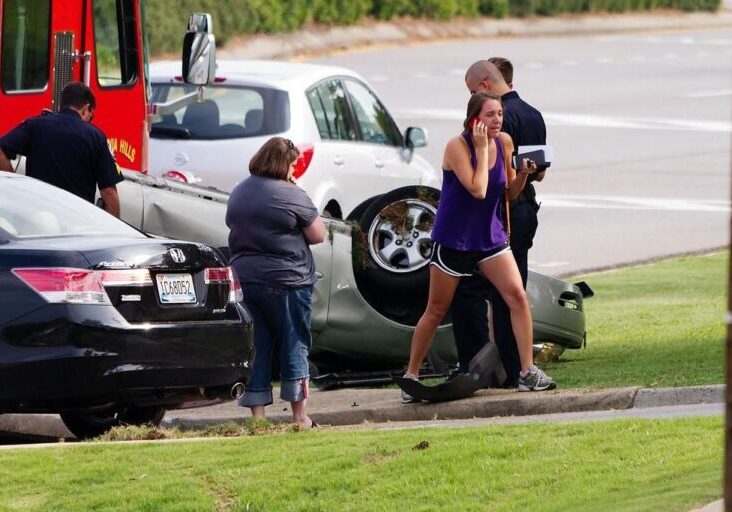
point(395, 239)
point(88, 424)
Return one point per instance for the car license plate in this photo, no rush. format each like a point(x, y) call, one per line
point(176, 289)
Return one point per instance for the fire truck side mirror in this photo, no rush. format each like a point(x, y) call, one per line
point(199, 51)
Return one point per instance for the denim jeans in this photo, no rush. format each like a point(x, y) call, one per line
point(282, 320)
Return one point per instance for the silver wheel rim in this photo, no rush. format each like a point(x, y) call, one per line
point(402, 250)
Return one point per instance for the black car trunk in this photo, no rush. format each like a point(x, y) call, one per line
point(173, 289)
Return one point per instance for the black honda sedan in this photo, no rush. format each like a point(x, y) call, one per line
point(105, 325)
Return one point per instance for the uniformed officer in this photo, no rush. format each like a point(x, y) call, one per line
point(66, 150)
point(526, 127)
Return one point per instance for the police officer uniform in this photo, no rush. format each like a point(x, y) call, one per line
point(64, 150)
point(526, 127)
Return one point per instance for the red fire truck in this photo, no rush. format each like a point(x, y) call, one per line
point(45, 44)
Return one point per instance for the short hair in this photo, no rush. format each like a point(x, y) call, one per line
point(475, 105)
point(481, 70)
point(77, 94)
point(505, 67)
point(274, 158)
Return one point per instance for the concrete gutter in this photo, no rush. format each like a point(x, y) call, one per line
point(309, 42)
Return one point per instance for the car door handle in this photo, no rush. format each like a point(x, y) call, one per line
point(379, 164)
point(338, 161)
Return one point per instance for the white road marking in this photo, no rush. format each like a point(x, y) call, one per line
point(634, 203)
point(587, 120)
point(548, 264)
point(708, 94)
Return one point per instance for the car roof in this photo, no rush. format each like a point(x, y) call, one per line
point(274, 73)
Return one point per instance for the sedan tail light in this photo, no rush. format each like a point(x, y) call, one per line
point(303, 161)
point(69, 285)
point(225, 275)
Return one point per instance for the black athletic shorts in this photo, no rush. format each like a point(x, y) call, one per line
point(462, 263)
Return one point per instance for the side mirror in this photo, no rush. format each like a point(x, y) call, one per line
point(199, 51)
point(415, 138)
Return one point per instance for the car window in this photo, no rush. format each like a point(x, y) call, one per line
point(330, 108)
point(374, 122)
point(225, 112)
point(30, 208)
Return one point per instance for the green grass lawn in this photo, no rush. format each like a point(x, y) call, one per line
point(653, 326)
point(643, 465)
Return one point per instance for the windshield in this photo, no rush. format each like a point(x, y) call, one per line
point(30, 208)
point(227, 112)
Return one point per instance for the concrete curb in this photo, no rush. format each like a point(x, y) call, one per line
point(680, 396)
point(358, 406)
point(486, 404)
point(323, 40)
point(379, 406)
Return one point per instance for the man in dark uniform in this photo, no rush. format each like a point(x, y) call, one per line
point(66, 150)
point(526, 127)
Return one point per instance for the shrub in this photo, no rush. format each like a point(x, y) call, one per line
point(468, 8)
point(388, 9)
point(493, 8)
point(437, 9)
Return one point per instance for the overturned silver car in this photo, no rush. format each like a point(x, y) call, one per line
point(372, 273)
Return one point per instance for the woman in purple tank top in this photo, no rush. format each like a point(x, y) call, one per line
point(470, 234)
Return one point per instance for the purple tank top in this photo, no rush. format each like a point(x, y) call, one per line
point(465, 223)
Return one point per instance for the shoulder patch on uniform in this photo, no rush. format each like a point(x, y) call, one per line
point(111, 152)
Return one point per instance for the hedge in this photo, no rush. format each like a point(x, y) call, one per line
point(166, 19)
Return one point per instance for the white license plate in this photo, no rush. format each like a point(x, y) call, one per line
point(176, 289)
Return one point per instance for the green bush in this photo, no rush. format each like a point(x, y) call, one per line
point(347, 12)
point(388, 9)
point(493, 8)
point(296, 13)
point(166, 19)
point(468, 8)
point(437, 9)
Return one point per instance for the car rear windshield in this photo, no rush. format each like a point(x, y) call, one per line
point(226, 112)
point(30, 208)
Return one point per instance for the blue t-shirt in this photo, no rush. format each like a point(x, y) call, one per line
point(266, 217)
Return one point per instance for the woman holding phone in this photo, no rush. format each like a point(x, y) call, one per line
point(470, 234)
point(272, 223)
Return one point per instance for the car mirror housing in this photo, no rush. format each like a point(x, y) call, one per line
point(415, 138)
point(199, 51)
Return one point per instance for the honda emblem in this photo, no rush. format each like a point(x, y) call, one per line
point(177, 255)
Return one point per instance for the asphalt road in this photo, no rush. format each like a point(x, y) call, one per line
point(639, 123)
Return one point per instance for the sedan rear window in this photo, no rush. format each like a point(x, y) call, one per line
point(226, 112)
point(30, 208)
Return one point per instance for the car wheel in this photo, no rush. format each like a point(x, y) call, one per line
point(87, 424)
point(396, 240)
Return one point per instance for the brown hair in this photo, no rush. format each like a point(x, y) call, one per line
point(274, 158)
point(475, 105)
point(505, 67)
